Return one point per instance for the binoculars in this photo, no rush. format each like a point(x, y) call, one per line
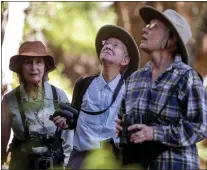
point(67, 111)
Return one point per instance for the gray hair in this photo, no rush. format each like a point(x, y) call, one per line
point(168, 43)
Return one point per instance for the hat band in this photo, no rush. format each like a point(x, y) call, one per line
point(33, 54)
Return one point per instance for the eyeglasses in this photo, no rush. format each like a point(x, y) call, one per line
point(152, 25)
point(114, 44)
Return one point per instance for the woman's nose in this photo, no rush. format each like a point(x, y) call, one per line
point(34, 65)
point(145, 30)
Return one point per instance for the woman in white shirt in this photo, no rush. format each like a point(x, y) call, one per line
point(27, 108)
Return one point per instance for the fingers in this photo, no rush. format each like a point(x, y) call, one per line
point(137, 127)
point(138, 137)
point(56, 118)
point(60, 122)
point(118, 130)
point(118, 121)
point(64, 125)
point(143, 133)
point(118, 126)
point(140, 140)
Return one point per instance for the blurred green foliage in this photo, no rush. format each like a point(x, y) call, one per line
point(71, 26)
point(4, 6)
point(105, 159)
point(60, 80)
point(68, 29)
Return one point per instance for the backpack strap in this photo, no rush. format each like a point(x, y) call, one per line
point(22, 113)
point(55, 96)
point(116, 92)
point(80, 89)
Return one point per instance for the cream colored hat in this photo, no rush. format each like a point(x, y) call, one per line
point(174, 21)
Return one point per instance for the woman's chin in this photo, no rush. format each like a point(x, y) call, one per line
point(142, 45)
point(144, 48)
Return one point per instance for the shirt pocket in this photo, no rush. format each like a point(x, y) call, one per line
point(91, 119)
point(91, 106)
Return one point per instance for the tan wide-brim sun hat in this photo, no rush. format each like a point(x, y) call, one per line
point(174, 21)
point(112, 31)
point(31, 49)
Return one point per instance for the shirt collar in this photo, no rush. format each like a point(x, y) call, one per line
point(177, 61)
point(25, 96)
point(175, 64)
point(101, 83)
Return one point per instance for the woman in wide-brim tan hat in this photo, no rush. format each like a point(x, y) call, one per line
point(31, 49)
point(168, 94)
point(27, 108)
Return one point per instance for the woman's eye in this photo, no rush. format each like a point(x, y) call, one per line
point(38, 61)
point(27, 62)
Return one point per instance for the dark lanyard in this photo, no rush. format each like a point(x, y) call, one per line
point(116, 92)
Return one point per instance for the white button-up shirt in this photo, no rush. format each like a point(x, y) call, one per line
point(37, 110)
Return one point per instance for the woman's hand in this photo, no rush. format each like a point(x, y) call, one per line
point(118, 126)
point(144, 133)
point(60, 122)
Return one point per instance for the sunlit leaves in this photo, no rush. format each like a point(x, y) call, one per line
point(71, 25)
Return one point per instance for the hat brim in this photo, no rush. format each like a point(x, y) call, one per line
point(112, 31)
point(16, 62)
point(149, 13)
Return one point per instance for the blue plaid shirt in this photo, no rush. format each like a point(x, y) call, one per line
point(183, 120)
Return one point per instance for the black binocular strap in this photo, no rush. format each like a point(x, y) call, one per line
point(116, 92)
point(173, 90)
point(22, 113)
point(56, 141)
point(55, 97)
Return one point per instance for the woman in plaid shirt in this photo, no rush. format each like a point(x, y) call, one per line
point(180, 113)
